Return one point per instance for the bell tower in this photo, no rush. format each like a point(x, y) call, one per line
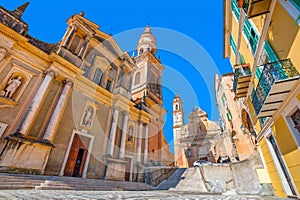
point(147, 80)
point(178, 124)
point(178, 118)
point(146, 92)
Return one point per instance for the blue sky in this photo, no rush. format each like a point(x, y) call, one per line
point(189, 40)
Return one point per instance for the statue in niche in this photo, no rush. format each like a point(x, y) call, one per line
point(88, 117)
point(12, 85)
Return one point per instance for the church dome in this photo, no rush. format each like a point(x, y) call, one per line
point(147, 42)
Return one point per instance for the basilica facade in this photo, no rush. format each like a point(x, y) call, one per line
point(81, 107)
point(199, 139)
point(195, 140)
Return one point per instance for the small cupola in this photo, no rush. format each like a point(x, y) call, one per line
point(147, 42)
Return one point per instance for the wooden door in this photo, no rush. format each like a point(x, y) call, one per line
point(77, 156)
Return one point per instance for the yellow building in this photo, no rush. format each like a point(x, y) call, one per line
point(79, 107)
point(262, 40)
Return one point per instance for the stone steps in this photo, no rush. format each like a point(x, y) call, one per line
point(189, 179)
point(66, 187)
point(39, 182)
point(192, 181)
point(21, 183)
point(16, 187)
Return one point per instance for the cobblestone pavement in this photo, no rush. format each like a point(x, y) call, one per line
point(133, 195)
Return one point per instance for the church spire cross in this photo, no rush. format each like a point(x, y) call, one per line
point(20, 10)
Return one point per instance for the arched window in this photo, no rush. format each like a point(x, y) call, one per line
point(176, 107)
point(98, 76)
point(137, 78)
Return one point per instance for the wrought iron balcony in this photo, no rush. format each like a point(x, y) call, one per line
point(276, 81)
point(242, 76)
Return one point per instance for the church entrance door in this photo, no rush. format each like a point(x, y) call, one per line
point(77, 156)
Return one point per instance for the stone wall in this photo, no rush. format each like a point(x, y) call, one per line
point(21, 156)
point(241, 177)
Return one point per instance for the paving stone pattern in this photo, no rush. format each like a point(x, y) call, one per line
point(133, 195)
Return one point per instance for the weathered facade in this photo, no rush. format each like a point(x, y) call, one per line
point(80, 107)
point(229, 107)
point(195, 140)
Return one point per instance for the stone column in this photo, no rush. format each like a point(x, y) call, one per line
point(146, 145)
point(35, 104)
point(124, 133)
point(113, 129)
point(139, 142)
point(57, 114)
point(68, 38)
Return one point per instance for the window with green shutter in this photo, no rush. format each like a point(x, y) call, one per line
point(235, 9)
point(251, 35)
point(223, 99)
point(228, 116)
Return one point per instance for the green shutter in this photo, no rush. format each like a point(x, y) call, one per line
point(269, 52)
point(228, 116)
point(251, 34)
point(235, 9)
point(223, 100)
point(258, 72)
point(241, 58)
point(232, 44)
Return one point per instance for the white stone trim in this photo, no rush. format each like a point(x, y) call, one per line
point(284, 182)
point(290, 108)
point(69, 148)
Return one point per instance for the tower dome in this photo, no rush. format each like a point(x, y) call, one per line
point(177, 98)
point(147, 42)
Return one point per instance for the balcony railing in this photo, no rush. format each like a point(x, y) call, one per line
point(275, 83)
point(241, 81)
